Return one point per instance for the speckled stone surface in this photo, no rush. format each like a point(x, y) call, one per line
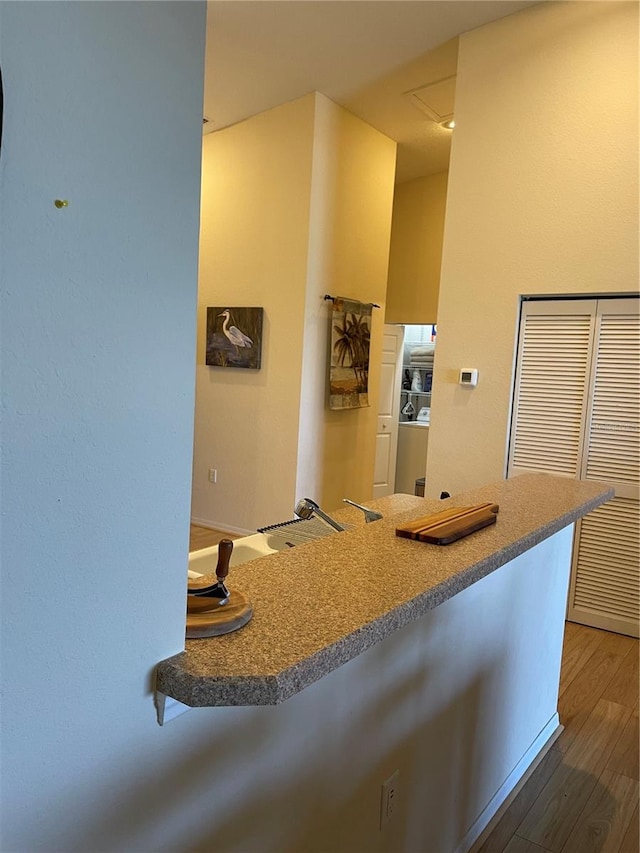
point(318, 605)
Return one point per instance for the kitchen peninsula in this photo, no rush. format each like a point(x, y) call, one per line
point(440, 661)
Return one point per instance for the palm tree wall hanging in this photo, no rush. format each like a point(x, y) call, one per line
point(349, 367)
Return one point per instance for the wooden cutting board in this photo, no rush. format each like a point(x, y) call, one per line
point(220, 620)
point(452, 524)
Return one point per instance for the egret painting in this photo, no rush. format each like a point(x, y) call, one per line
point(350, 339)
point(234, 337)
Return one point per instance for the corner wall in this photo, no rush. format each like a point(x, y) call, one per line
point(352, 198)
point(543, 199)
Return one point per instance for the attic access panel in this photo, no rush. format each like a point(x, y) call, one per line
point(436, 99)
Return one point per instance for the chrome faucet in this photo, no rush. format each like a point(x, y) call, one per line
point(369, 514)
point(305, 508)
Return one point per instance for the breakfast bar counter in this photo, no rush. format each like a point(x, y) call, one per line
point(322, 604)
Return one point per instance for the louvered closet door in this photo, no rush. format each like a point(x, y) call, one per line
point(576, 414)
point(552, 387)
point(605, 579)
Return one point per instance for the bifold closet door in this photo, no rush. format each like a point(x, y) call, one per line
point(576, 414)
point(552, 387)
point(605, 579)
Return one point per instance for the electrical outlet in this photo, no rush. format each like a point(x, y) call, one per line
point(389, 798)
point(213, 475)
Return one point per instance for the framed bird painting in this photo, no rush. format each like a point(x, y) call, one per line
point(234, 337)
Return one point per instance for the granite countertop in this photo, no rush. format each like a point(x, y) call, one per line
point(318, 605)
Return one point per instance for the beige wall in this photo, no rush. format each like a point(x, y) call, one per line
point(412, 456)
point(354, 167)
point(416, 250)
point(256, 191)
point(543, 199)
point(296, 204)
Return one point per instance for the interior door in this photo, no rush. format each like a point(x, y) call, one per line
point(388, 412)
point(605, 579)
point(552, 387)
point(577, 414)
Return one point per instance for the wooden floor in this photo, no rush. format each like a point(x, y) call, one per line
point(583, 796)
point(205, 537)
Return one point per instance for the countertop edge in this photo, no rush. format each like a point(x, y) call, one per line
point(198, 690)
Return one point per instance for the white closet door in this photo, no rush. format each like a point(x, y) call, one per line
point(605, 581)
point(576, 413)
point(613, 448)
point(604, 578)
point(552, 387)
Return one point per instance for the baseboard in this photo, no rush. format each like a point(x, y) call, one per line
point(511, 787)
point(221, 525)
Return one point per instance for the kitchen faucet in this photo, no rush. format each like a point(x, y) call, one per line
point(305, 508)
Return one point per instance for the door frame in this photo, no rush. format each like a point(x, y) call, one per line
point(397, 331)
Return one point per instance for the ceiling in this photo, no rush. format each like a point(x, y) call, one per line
point(366, 55)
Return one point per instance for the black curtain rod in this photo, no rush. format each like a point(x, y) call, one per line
point(333, 299)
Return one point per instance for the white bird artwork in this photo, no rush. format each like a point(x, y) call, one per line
point(233, 333)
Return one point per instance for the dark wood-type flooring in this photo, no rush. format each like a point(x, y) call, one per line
point(583, 796)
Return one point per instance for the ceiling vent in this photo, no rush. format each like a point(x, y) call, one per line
point(436, 100)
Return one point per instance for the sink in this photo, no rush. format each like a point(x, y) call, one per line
point(244, 549)
point(278, 537)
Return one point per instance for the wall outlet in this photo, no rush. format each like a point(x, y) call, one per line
point(389, 798)
point(213, 475)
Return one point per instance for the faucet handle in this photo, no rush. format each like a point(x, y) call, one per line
point(369, 514)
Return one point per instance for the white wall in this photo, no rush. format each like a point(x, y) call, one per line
point(543, 199)
point(102, 108)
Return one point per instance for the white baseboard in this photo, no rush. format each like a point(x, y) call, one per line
point(221, 525)
point(512, 785)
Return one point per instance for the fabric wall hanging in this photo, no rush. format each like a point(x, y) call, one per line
point(349, 359)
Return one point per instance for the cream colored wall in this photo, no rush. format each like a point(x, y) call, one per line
point(352, 197)
point(416, 250)
point(256, 190)
point(412, 456)
point(543, 199)
point(296, 203)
